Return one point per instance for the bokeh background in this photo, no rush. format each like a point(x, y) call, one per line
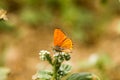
point(93, 26)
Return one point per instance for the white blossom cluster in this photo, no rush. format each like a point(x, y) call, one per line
point(62, 56)
point(57, 54)
point(43, 54)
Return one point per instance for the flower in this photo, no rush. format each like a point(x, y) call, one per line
point(43, 54)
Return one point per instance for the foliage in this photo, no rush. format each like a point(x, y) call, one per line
point(83, 76)
point(59, 70)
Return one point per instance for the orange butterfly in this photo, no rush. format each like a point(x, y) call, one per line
point(61, 41)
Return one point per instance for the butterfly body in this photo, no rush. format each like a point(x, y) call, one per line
point(58, 49)
point(61, 41)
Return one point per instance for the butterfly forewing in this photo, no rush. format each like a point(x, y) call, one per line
point(59, 37)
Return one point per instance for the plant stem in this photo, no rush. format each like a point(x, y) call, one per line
point(56, 65)
point(54, 73)
point(55, 70)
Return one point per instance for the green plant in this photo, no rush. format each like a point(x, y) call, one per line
point(59, 70)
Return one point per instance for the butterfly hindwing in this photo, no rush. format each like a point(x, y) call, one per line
point(67, 44)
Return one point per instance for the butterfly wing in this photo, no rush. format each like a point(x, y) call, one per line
point(59, 37)
point(67, 44)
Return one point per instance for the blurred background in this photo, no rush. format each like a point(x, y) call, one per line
point(93, 26)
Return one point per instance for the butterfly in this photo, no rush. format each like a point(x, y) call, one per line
point(61, 42)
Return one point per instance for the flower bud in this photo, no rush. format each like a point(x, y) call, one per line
point(67, 57)
point(61, 73)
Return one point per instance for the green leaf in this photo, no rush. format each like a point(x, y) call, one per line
point(83, 76)
point(66, 68)
point(44, 75)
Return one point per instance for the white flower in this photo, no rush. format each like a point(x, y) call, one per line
point(43, 54)
point(56, 54)
point(42, 58)
point(63, 53)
